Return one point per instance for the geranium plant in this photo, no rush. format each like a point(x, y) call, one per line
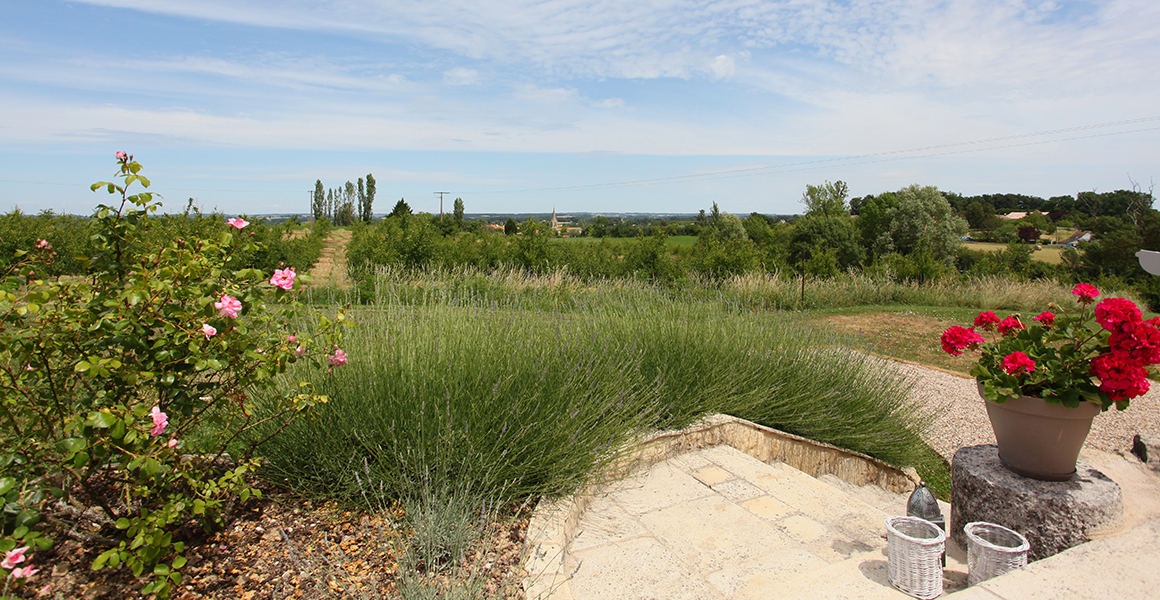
point(1096, 354)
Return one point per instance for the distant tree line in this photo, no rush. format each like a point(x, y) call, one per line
point(344, 205)
point(912, 234)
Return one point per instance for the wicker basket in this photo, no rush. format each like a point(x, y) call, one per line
point(993, 550)
point(914, 548)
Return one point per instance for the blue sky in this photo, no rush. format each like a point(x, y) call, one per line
point(614, 106)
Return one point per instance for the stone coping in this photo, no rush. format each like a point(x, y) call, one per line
point(554, 525)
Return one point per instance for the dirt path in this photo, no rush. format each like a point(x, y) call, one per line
point(330, 270)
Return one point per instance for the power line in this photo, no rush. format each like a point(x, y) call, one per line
point(851, 160)
point(844, 160)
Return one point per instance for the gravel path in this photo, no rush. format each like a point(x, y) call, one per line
point(961, 419)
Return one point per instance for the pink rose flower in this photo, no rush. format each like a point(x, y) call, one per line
point(291, 339)
point(121, 155)
point(208, 330)
point(24, 572)
point(987, 320)
point(338, 358)
point(43, 245)
point(1086, 292)
point(172, 443)
point(283, 278)
point(1045, 318)
point(13, 557)
point(956, 338)
point(237, 223)
point(228, 306)
point(160, 421)
point(300, 351)
point(1018, 362)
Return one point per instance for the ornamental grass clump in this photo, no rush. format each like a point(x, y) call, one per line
point(1063, 359)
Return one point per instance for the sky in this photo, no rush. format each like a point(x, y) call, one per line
point(577, 106)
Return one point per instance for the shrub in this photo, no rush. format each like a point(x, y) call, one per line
point(120, 392)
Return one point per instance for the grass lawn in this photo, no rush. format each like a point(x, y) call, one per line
point(1049, 254)
point(908, 333)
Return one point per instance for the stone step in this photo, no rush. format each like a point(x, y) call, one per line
point(718, 523)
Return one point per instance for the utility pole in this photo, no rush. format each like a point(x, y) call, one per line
point(440, 203)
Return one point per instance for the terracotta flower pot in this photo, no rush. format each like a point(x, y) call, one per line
point(1037, 439)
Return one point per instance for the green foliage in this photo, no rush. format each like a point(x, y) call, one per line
point(827, 240)
point(1062, 355)
point(874, 216)
point(401, 209)
point(923, 218)
point(105, 384)
point(511, 390)
point(458, 214)
point(827, 200)
point(318, 201)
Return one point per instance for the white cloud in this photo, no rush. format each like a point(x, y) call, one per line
point(538, 95)
point(461, 76)
point(723, 66)
point(609, 103)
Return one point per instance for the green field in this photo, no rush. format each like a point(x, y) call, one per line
point(1049, 254)
point(676, 240)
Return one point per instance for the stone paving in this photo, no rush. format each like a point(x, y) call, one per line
point(717, 523)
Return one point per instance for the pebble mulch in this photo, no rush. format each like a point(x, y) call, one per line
point(960, 418)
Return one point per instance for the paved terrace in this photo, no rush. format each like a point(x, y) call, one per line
point(702, 519)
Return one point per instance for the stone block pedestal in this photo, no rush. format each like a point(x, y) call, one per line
point(1052, 515)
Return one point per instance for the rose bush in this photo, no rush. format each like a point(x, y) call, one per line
point(122, 392)
point(1062, 358)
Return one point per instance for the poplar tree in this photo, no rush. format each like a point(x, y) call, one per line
point(366, 214)
point(318, 205)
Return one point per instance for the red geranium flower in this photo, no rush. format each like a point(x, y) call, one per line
point(1113, 313)
point(1137, 342)
point(1120, 377)
point(1018, 362)
point(1086, 292)
point(1009, 325)
point(955, 339)
point(987, 320)
point(1045, 318)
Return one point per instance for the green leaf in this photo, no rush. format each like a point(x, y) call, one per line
point(198, 506)
point(123, 523)
point(101, 419)
point(102, 558)
point(20, 532)
point(6, 484)
point(80, 460)
point(179, 562)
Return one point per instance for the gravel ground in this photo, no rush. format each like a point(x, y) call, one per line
point(961, 419)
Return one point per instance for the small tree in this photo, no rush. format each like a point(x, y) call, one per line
point(1029, 234)
point(458, 214)
point(402, 209)
point(367, 213)
point(510, 227)
point(828, 199)
point(318, 206)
